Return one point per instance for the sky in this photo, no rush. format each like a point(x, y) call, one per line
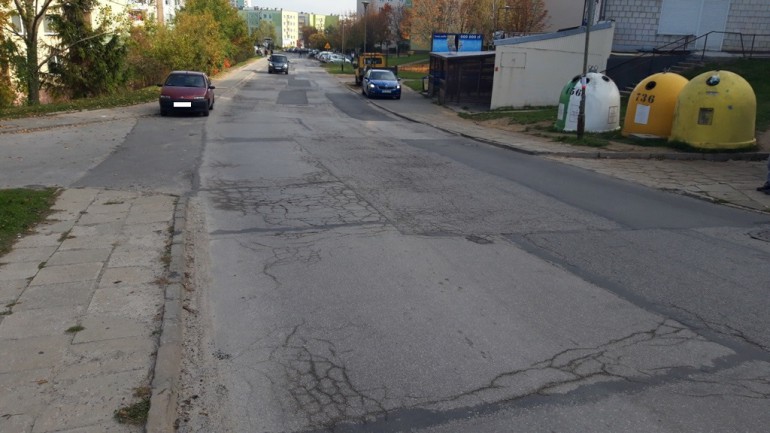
point(321, 7)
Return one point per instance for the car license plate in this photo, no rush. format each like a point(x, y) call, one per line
point(386, 91)
point(182, 104)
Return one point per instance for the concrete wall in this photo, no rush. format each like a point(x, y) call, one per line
point(532, 70)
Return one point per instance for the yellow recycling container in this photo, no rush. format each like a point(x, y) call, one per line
point(650, 111)
point(716, 110)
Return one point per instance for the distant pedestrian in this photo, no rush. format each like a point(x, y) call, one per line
point(766, 187)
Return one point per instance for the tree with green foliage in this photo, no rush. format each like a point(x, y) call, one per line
point(306, 32)
point(7, 51)
point(194, 43)
point(265, 30)
point(88, 61)
point(144, 66)
point(318, 41)
point(231, 26)
point(32, 14)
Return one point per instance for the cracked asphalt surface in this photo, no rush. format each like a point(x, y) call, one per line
point(355, 272)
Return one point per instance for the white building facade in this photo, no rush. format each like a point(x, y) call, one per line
point(731, 25)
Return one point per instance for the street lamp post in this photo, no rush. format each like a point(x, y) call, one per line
point(507, 20)
point(366, 5)
point(496, 16)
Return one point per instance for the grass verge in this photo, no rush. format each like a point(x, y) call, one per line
point(134, 97)
point(136, 413)
point(20, 210)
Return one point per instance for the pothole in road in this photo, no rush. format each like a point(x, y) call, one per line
point(478, 240)
point(763, 235)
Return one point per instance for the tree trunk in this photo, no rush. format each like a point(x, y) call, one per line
point(33, 76)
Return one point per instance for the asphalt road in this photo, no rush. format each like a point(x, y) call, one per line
point(351, 271)
point(360, 273)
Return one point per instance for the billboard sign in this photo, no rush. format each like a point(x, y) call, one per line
point(456, 42)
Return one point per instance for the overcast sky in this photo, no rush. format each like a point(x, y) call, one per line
point(322, 7)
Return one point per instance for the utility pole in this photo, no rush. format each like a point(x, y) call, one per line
point(581, 126)
point(366, 5)
point(342, 25)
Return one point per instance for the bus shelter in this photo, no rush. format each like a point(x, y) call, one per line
point(461, 77)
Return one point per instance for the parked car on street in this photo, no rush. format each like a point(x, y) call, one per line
point(323, 56)
point(189, 91)
point(381, 82)
point(277, 63)
point(337, 59)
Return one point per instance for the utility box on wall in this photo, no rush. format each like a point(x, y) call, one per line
point(650, 112)
point(716, 110)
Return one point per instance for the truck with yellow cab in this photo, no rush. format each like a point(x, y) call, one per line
point(367, 61)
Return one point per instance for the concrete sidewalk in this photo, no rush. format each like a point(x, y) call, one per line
point(83, 300)
point(725, 178)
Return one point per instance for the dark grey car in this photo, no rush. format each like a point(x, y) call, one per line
point(277, 63)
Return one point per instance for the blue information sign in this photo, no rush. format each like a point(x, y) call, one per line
point(456, 42)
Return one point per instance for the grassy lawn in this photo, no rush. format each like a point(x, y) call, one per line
point(20, 210)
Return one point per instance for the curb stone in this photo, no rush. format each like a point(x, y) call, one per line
point(165, 382)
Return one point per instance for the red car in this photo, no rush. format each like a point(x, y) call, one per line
point(186, 91)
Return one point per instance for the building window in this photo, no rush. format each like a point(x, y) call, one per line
point(17, 25)
point(47, 28)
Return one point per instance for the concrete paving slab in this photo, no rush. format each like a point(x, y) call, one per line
point(141, 303)
point(142, 217)
point(71, 294)
point(75, 200)
point(111, 228)
point(108, 427)
point(30, 391)
point(100, 328)
point(19, 271)
point(40, 322)
point(110, 356)
point(16, 423)
point(38, 240)
point(155, 201)
point(26, 354)
point(105, 205)
point(37, 254)
point(74, 257)
point(86, 242)
point(67, 273)
point(10, 291)
point(57, 227)
point(130, 276)
point(125, 256)
point(101, 218)
point(89, 401)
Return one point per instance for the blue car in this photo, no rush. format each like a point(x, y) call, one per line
point(381, 82)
